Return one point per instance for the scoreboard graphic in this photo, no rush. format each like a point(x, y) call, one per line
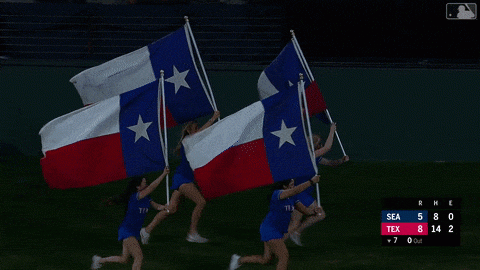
point(420, 222)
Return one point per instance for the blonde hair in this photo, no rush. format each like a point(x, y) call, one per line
point(185, 131)
point(316, 141)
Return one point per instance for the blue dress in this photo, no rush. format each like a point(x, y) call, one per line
point(275, 224)
point(183, 173)
point(133, 220)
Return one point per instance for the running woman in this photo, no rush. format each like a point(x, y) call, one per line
point(137, 197)
point(184, 185)
point(283, 201)
point(297, 226)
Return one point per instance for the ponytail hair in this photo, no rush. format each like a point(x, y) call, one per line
point(317, 141)
point(123, 198)
point(185, 132)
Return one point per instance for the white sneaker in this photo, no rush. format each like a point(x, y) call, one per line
point(234, 262)
point(196, 238)
point(96, 262)
point(295, 237)
point(144, 235)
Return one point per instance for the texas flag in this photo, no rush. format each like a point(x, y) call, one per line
point(110, 140)
point(259, 145)
point(173, 55)
point(283, 73)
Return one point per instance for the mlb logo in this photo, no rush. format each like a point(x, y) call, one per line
point(461, 11)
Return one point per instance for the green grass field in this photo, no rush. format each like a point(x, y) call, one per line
point(42, 228)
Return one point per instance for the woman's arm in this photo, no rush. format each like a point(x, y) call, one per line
point(309, 211)
point(334, 163)
point(157, 206)
point(297, 189)
point(303, 209)
point(328, 143)
point(216, 114)
point(150, 188)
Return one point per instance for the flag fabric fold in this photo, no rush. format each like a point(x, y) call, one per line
point(259, 145)
point(283, 74)
point(173, 55)
point(110, 140)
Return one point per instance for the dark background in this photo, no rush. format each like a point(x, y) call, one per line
point(401, 80)
point(383, 29)
point(329, 31)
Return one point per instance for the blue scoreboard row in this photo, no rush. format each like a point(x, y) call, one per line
point(420, 222)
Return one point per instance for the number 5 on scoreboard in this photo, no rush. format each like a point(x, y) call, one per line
point(420, 216)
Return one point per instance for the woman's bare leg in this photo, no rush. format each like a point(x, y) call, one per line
point(130, 247)
point(309, 221)
point(278, 247)
point(134, 248)
point(261, 259)
point(160, 216)
point(190, 191)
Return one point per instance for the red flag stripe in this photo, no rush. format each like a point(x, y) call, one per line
point(218, 179)
point(73, 166)
point(316, 103)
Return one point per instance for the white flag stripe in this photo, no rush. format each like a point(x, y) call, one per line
point(265, 87)
point(115, 77)
point(96, 120)
point(242, 127)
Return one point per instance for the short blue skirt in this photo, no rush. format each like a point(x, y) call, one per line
point(179, 180)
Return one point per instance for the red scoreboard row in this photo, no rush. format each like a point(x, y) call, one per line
point(420, 222)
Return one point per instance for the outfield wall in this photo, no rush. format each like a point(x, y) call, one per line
point(382, 114)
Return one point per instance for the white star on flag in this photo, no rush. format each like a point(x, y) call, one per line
point(290, 83)
point(178, 79)
point(285, 134)
point(140, 129)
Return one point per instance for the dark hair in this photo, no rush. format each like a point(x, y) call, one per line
point(276, 186)
point(131, 188)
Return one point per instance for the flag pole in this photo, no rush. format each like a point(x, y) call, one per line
point(338, 138)
point(187, 22)
point(302, 57)
point(311, 78)
point(302, 86)
point(165, 146)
